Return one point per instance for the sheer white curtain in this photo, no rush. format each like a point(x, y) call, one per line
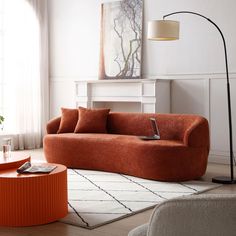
point(41, 9)
point(26, 71)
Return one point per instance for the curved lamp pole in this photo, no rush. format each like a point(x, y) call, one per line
point(163, 30)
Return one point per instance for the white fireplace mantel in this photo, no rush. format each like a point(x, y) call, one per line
point(133, 95)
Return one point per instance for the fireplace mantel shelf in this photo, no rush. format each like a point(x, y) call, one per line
point(132, 95)
point(119, 80)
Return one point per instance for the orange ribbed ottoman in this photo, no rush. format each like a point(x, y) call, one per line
point(32, 199)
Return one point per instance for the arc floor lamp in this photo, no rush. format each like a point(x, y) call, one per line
point(163, 30)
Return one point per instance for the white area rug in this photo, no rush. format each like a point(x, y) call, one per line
point(97, 198)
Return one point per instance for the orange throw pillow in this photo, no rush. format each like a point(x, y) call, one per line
point(92, 120)
point(69, 119)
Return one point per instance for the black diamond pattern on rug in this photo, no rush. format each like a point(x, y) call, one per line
point(96, 198)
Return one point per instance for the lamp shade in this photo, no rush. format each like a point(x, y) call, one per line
point(163, 30)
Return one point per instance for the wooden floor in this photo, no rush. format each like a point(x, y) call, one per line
point(118, 228)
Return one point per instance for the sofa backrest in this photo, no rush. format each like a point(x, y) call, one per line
point(171, 126)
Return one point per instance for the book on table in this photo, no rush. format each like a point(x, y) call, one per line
point(33, 169)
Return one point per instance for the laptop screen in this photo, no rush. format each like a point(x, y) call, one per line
point(155, 127)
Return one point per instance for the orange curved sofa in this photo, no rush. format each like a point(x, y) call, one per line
point(180, 155)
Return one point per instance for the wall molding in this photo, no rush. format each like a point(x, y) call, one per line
point(200, 76)
point(219, 157)
point(190, 76)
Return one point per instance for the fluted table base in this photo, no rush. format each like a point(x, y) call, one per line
point(32, 199)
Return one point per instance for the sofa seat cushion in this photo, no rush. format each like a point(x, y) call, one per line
point(167, 160)
point(113, 139)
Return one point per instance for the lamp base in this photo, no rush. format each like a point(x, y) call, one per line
point(223, 180)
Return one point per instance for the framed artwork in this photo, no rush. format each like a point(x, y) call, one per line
point(121, 39)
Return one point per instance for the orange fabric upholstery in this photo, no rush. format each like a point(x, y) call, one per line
point(53, 125)
point(180, 155)
point(92, 120)
point(69, 118)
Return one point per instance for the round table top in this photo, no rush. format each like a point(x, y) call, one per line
point(11, 173)
point(15, 160)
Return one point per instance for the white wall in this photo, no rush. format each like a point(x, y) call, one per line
point(199, 49)
point(74, 48)
point(195, 61)
point(207, 96)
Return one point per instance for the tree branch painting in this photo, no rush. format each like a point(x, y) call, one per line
point(121, 39)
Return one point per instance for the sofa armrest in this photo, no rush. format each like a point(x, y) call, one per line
point(197, 135)
point(53, 125)
point(209, 214)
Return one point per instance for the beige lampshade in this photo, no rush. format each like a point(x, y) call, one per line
point(163, 30)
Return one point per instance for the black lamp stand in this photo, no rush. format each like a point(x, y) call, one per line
point(220, 179)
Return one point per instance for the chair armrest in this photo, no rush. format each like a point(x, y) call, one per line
point(209, 214)
point(197, 135)
point(53, 125)
point(139, 231)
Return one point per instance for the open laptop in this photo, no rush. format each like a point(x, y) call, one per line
point(156, 132)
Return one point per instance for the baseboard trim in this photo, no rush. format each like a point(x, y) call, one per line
point(219, 159)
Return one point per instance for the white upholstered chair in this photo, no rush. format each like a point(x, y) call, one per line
point(195, 215)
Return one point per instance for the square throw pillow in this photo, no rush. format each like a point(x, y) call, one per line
point(69, 119)
point(92, 120)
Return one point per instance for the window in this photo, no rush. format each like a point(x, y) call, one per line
point(19, 67)
point(1, 54)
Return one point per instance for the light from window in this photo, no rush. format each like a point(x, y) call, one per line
point(19, 63)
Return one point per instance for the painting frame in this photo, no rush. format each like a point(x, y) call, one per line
point(121, 40)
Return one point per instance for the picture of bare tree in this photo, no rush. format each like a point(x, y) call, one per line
point(121, 39)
